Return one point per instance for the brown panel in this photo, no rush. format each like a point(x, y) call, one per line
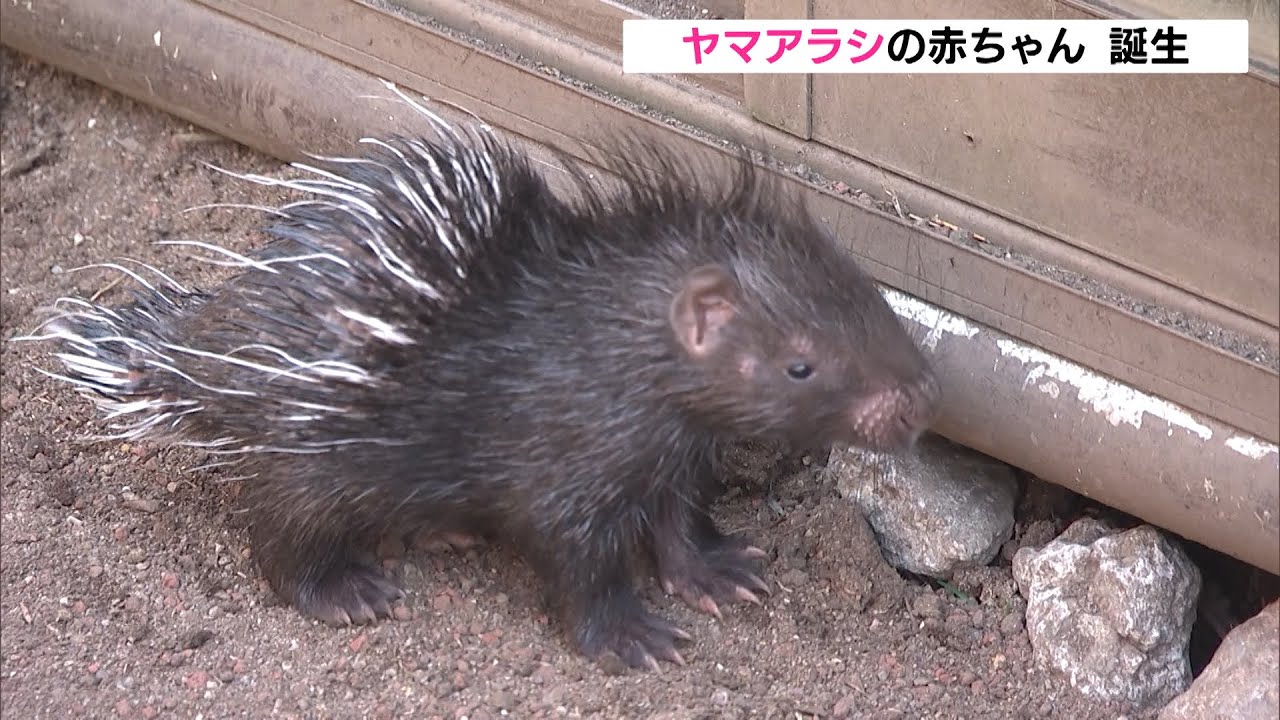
point(590, 23)
point(1176, 176)
point(783, 101)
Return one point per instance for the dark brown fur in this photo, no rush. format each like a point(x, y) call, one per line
point(568, 398)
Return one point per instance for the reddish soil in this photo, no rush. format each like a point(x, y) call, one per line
point(128, 589)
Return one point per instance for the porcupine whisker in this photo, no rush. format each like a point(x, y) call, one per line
point(197, 383)
point(270, 449)
point(120, 408)
point(93, 367)
point(211, 465)
point(313, 406)
point(396, 265)
point(328, 368)
point(81, 382)
point(310, 256)
point(384, 253)
point(97, 311)
point(172, 283)
point(236, 478)
point(277, 352)
point(266, 209)
point(311, 187)
point(426, 187)
point(431, 117)
point(381, 328)
point(121, 268)
point(203, 444)
point(247, 261)
point(275, 371)
point(335, 180)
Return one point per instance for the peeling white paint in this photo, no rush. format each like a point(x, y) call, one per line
point(1251, 447)
point(938, 321)
point(1118, 402)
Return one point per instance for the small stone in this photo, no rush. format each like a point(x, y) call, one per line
point(927, 605)
point(358, 642)
point(794, 578)
point(401, 612)
point(142, 505)
point(196, 680)
point(502, 700)
point(124, 708)
point(196, 640)
point(169, 581)
point(1011, 625)
point(902, 498)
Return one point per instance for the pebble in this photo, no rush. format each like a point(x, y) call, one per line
point(1011, 625)
point(196, 680)
point(794, 578)
point(197, 639)
point(927, 605)
point(358, 642)
point(502, 700)
point(142, 505)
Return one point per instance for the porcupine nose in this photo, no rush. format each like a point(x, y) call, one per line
point(895, 417)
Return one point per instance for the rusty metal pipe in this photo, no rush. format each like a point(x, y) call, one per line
point(1177, 469)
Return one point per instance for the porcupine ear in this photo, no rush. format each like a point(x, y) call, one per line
point(703, 306)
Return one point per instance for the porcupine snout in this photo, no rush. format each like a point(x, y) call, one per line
point(894, 417)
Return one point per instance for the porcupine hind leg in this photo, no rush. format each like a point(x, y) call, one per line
point(695, 560)
point(318, 555)
point(590, 581)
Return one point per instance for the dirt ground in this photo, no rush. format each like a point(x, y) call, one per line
point(128, 590)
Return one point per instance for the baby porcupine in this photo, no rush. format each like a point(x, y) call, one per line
point(435, 340)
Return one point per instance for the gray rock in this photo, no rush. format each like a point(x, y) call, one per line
point(1112, 611)
point(1241, 680)
point(938, 509)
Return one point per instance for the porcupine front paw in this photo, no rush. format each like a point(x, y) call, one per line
point(624, 628)
point(713, 570)
point(350, 593)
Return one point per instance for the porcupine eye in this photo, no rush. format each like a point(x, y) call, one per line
point(799, 370)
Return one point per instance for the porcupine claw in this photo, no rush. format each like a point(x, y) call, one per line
point(635, 636)
point(720, 571)
point(359, 595)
